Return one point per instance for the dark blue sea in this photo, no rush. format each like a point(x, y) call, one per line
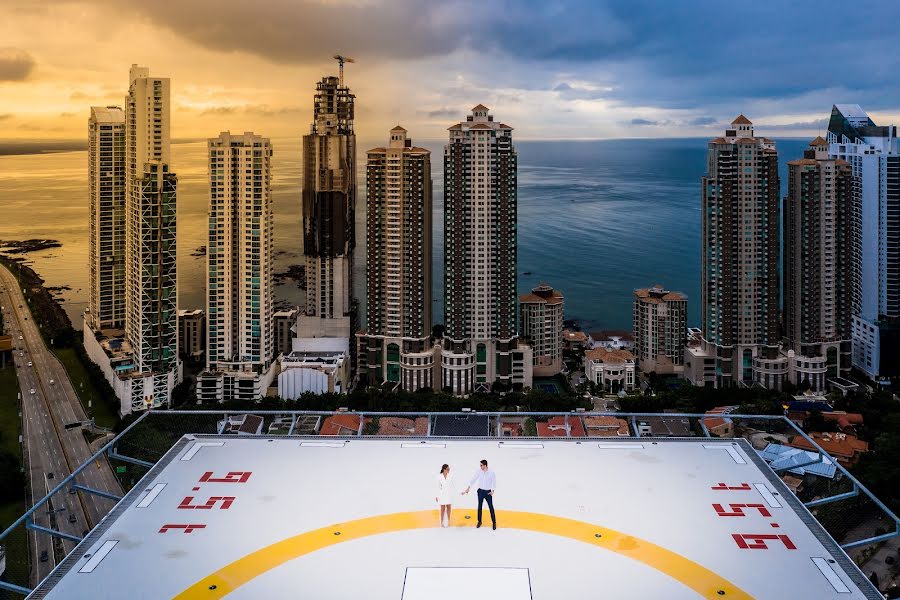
point(597, 219)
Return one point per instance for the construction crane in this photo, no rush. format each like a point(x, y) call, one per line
point(341, 60)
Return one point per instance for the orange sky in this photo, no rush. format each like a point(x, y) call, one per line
point(236, 66)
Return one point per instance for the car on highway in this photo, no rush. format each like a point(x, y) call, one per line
point(32, 390)
point(44, 556)
point(52, 382)
point(21, 354)
point(29, 364)
point(50, 475)
point(72, 518)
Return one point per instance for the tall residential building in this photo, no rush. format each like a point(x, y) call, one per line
point(873, 153)
point(239, 328)
point(328, 189)
point(480, 220)
point(141, 363)
point(481, 349)
point(541, 323)
point(740, 253)
point(396, 345)
point(818, 255)
point(152, 293)
point(660, 330)
point(106, 184)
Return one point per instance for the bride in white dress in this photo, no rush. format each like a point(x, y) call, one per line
point(444, 494)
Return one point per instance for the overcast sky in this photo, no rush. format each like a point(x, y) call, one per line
point(551, 69)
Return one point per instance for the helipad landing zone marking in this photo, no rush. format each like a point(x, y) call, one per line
point(731, 450)
point(689, 573)
point(520, 446)
point(322, 444)
point(422, 445)
point(622, 446)
point(151, 495)
point(99, 555)
point(767, 495)
point(833, 578)
point(196, 448)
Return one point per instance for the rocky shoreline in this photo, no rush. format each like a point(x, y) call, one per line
point(26, 246)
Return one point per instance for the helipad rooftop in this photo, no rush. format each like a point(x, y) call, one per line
point(332, 518)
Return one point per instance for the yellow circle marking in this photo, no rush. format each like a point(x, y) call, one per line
point(693, 575)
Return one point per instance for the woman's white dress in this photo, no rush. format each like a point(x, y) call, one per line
point(445, 489)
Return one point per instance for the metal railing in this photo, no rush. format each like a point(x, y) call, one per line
point(846, 509)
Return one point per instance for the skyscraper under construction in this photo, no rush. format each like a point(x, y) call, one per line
point(328, 188)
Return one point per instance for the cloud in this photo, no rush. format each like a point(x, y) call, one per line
point(66, 115)
point(643, 122)
point(703, 121)
point(297, 31)
point(802, 125)
point(15, 64)
point(219, 110)
point(444, 113)
point(251, 109)
point(5, 117)
point(562, 87)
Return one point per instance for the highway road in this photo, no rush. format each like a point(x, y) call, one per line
point(48, 446)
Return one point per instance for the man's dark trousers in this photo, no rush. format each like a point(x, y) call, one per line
point(482, 496)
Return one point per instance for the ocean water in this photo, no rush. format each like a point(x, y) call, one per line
point(597, 219)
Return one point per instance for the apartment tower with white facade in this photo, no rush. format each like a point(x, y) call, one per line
point(239, 328)
point(106, 185)
point(396, 345)
point(873, 153)
point(151, 291)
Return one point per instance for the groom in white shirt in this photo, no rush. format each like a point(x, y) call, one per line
point(487, 483)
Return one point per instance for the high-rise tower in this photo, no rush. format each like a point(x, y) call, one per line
point(131, 327)
point(480, 219)
point(239, 347)
point(395, 346)
point(328, 189)
point(873, 153)
point(740, 252)
point(480, 259)
point(106, 183)
point(151, 296)
point(818, 260)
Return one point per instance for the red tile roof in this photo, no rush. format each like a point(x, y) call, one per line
point(341, 424)
point(610, 357)
point(606, 426)
point(556, 427)
point(402, 426)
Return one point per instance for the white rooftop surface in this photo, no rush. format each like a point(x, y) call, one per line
point(357, 519)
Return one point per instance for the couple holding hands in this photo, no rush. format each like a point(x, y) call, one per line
point(486, 482)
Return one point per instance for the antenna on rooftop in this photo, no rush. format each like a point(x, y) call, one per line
point(341, 60)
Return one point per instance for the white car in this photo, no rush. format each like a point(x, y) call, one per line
point(30, 365)
point(21, 338)
point(32, 390)
point(52, 382)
